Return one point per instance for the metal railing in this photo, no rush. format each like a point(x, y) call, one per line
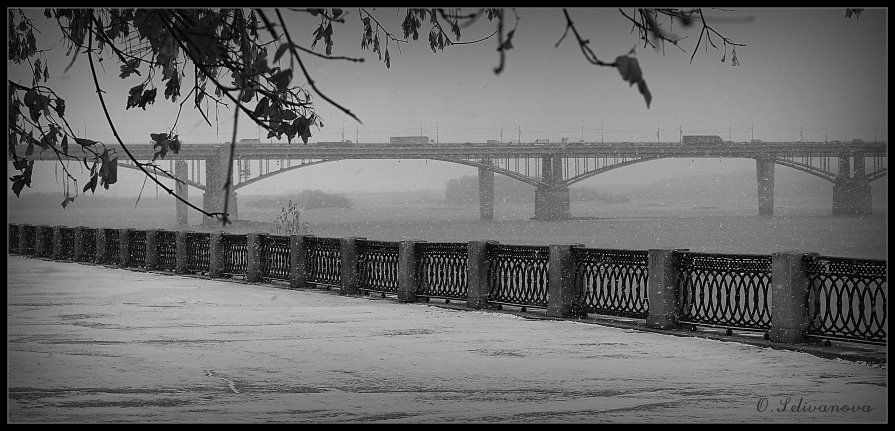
point(66, 243)
point(275, 257)
point(847, 298)
point(234, 254)
point(198, 252)
point(136, 249)
point(725, 290)
point(611, 282)
point(13, 239)
point(29, 234)
point(377, 266)
point(324, 261)
point(443, 270)
point(112, 246)
point(46, 241)
point(165, 250)
point(87, 252)
point(519, 274)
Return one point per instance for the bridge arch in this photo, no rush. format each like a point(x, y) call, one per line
point(807, 169)
point(586, 175)
point(489, 167)
point(280, 171)
point(164, 174)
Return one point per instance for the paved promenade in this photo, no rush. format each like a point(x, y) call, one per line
point(94, 344)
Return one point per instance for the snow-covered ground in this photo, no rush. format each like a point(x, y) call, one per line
point(95, 344)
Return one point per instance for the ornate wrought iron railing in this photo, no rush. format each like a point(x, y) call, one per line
point(66, 243)
point(29, 242)
point(46, 241)
point(519, 274)
point(198, 252)
point(112, 246)
point(847, 299)
point(275, 255)
point(443, 270)
point(234, 254)
point(166, 250)
point(136, 249)
point(13, 238)
point(87, 252)
point(377, 266)
point(725, 290)
point(324, 261)
point(611, 282)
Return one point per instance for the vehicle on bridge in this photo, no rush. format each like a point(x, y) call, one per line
point(336, 144)
point(403, 141)
point(702, 139)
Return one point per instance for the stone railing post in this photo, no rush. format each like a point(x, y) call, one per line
point(478, 281)
point(214, 255)
point(151, 250)
point(100, 245)
point(253, 257)
point(408, 277)
point(57, 243)
point(661, 286)
point(350, 280)
point(789, 297)
point(298, 261)
point(124, 247)
point(180, 258)
point(562, 289)
point(76, 246)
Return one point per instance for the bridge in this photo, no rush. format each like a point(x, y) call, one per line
point(549, 168)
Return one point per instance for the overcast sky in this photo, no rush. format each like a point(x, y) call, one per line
point(808, 69)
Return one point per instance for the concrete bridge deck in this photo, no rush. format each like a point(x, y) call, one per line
point(94, 344)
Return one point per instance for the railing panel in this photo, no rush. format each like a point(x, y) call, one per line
point(443, 270)
point(519, 274)
point(726, 290)
point(377, 266)
point(46, 240)
point(612, 282)
point(324, 261)
point(13, 238)
point(275, 256)
point(136, 250)
point(30, 240)
point(112, 245)
point(847, 298)
point(198, 252)
point(166, 250)
point(234, 254)
point(67, 243)
point(88, 245)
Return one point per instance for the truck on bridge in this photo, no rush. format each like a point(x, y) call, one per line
point(702, 139)
point(409, 140)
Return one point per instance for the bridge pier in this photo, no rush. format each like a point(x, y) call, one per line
point(764, 168)
point(216, 177)
point(486, 194)
point(182, 190)
point(851, 197)
point(552, 201)
point(552, 204)
point(851, 190)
